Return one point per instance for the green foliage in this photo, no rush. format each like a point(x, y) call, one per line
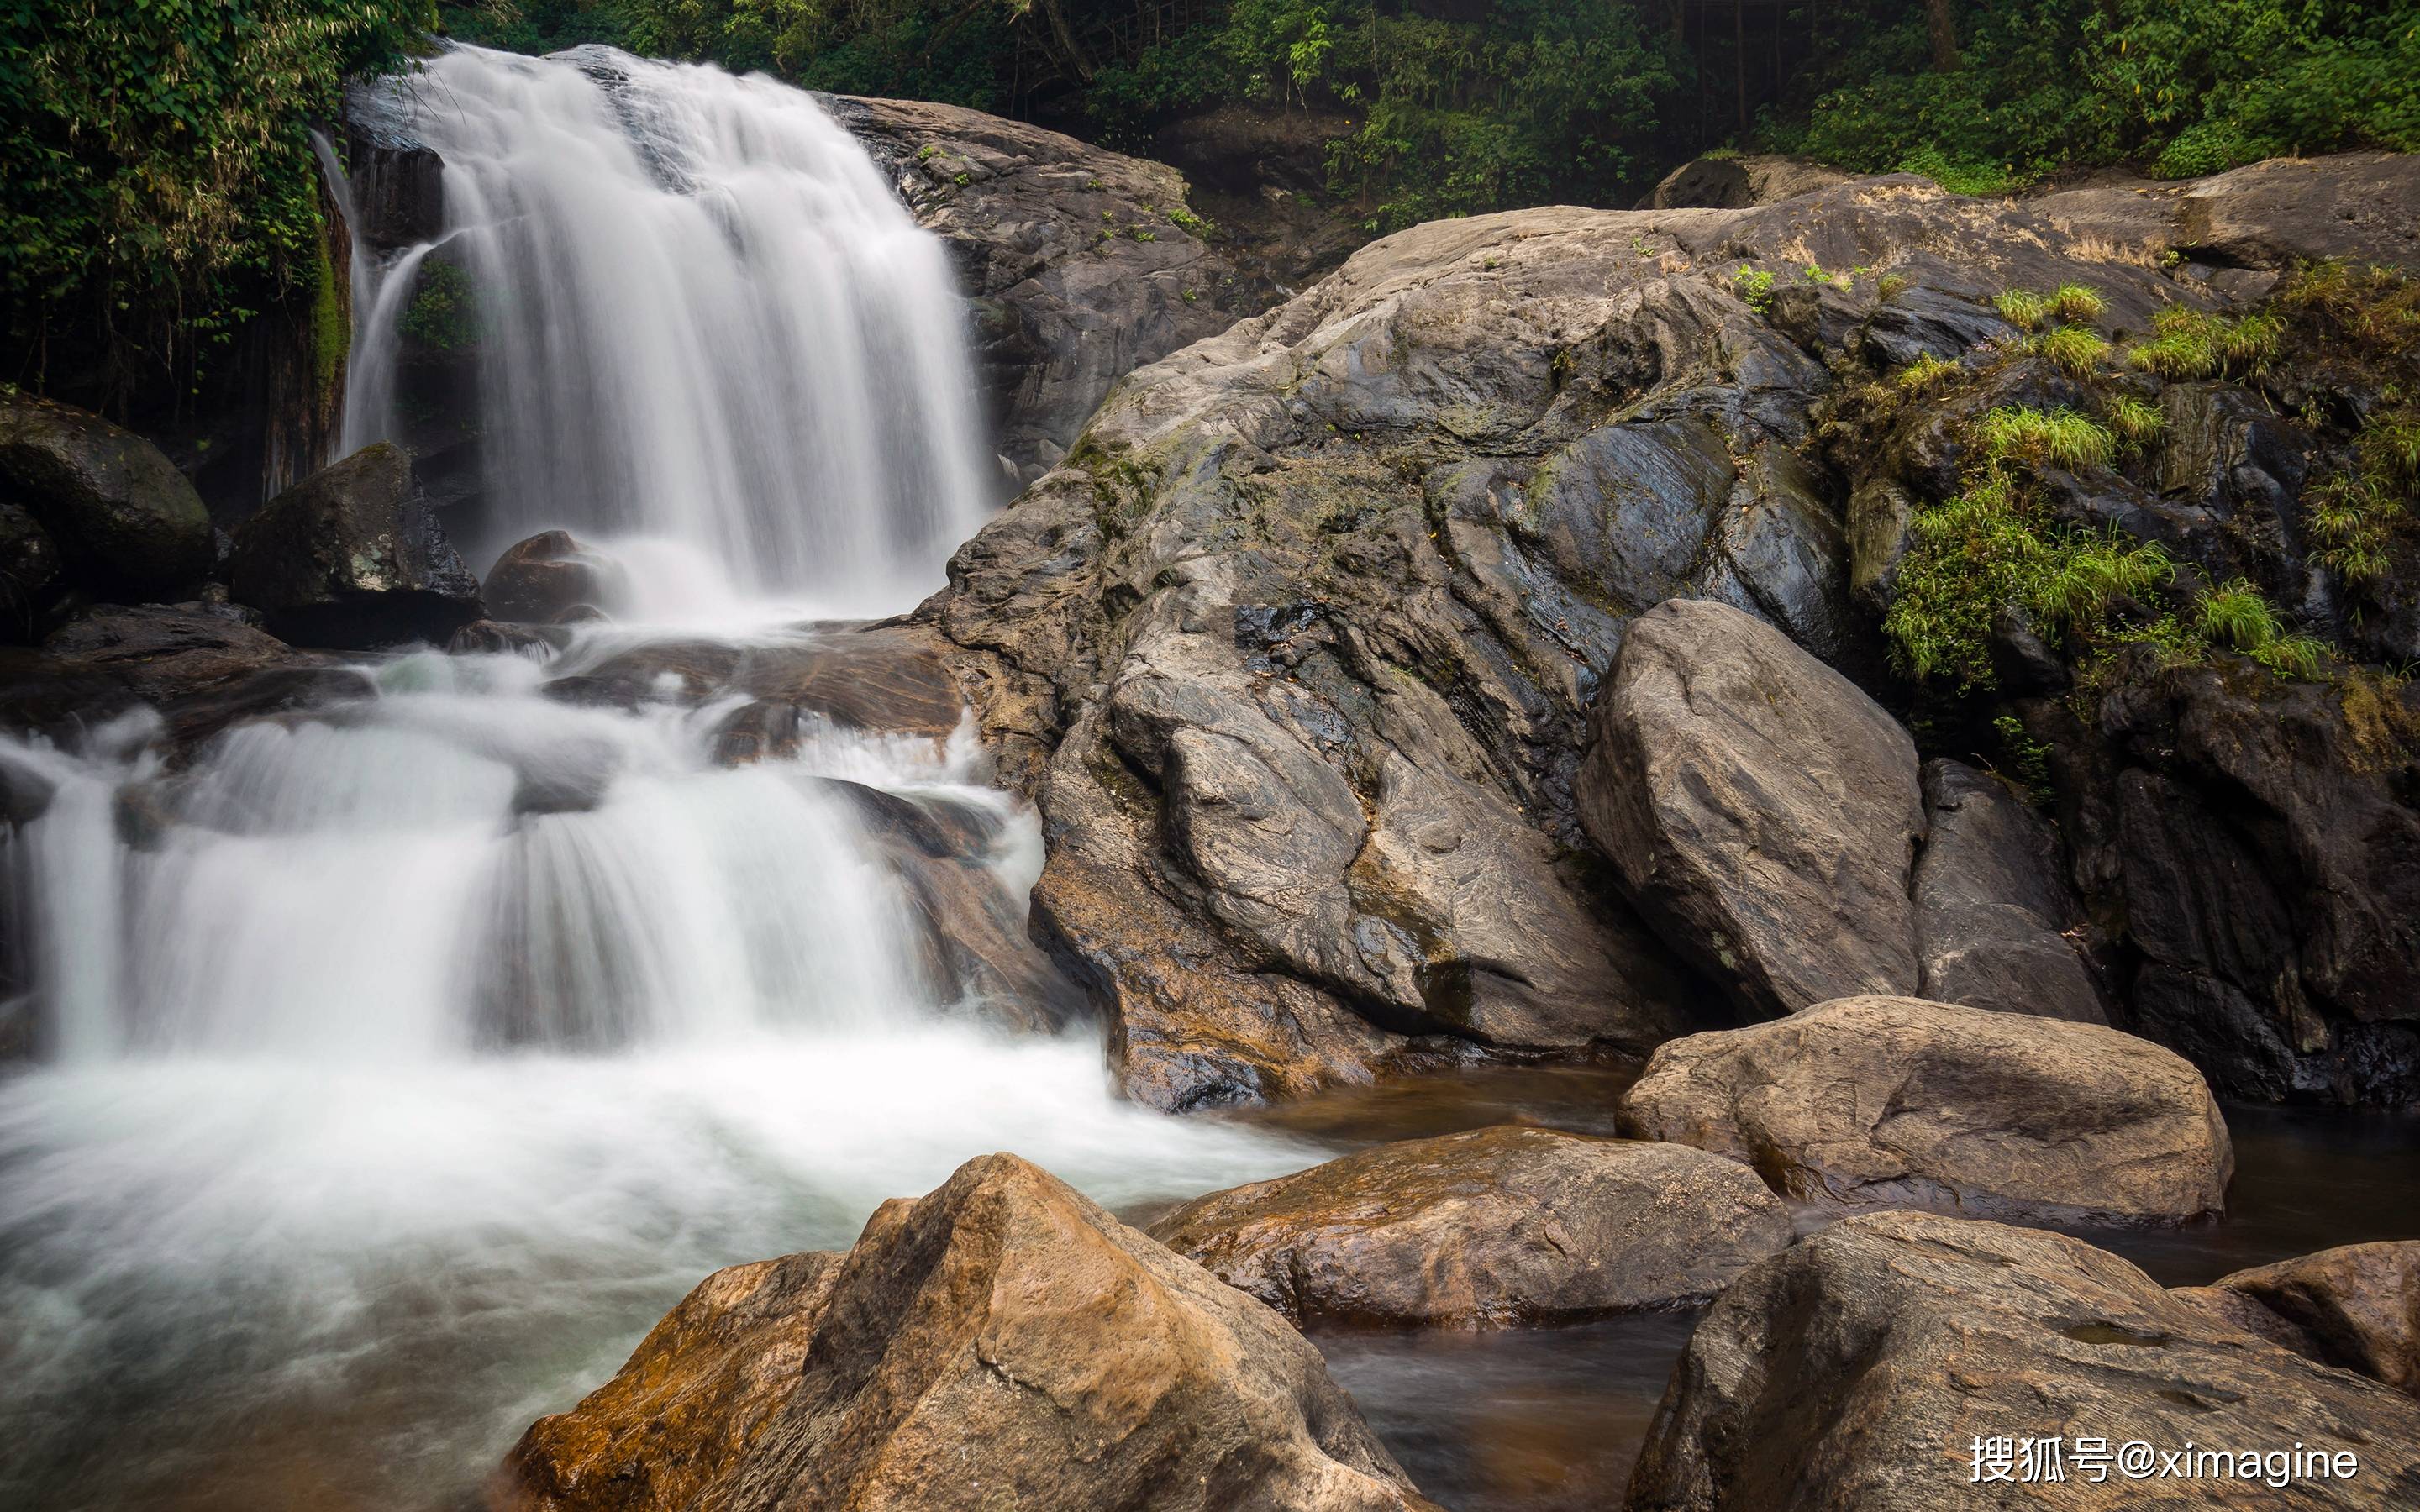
point(1925, 372)
point(2073, 349)
point(2234, 615)
point(2189, 344)
point(159, 184)
point(1754, 286)
point(2022, 308)
point(1990, 546)
point(2137, 421)
point(2058, 437)
point(2028, 759)
point(445, 309)
point(332, 334)
point(2054, 84)
point(2074, 302)
point(2354, 520)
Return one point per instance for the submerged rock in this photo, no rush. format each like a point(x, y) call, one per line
point(1486, 1229)
point(1893, 1100)
point(353, 557)
point(1002, 1342)
point(124, 518)
point(1867, 1368)
point(1761, 809)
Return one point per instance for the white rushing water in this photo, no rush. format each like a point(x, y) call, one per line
point(703, 317)
point(399, 1063)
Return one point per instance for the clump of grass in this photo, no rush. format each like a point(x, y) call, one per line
point(2060, 437)
point(1925, 372)
point(2137, 421)
point(2235, 616)
point(2022, 308)
point(2188, 344)
point(1890, 287)
point(2390, 446)
point(2354, 519)
point(2075, 301)
point(2378, 307)
point(2072, 349)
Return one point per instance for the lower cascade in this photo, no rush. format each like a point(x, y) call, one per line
point(396, 1062)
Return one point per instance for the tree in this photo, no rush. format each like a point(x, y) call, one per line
point(1942, 29)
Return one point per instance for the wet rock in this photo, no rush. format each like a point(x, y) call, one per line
point(123, 517)
point(2356, 1307)
point(353, 557)
point(1001, 1342)
point(1894, 1100)
point(1758, 805)
point(489, 638)
point(1992, 911)
point(2250, 843)
point(1857, 1368)
point(1490, 1229)
point(2270, 215)
point(397, 181)
point(540, 580)
point(30, 567)
point(1081, 264)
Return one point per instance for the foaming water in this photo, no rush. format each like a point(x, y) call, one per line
point(701, 315)
point(410, 1059)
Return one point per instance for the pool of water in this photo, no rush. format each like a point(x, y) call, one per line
point(1551, 1420)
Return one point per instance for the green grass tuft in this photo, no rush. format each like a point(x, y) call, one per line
point(2023, 308)
point(2072, 349)
point(1925, 372)
point(2137, 421)
point(2074, 302)
point(2059, 437)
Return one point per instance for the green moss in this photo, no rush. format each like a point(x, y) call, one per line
point(332, 330)
point(445, 310)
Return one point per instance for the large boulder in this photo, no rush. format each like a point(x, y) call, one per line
point(1737, 180)
point(1083, 264)
point(1899, 1362)
point(1758, 805)
point(202, 668)
point(1893, 1100)
point(1405, 519)
point(1486, 1229)
point(1002, 1342)
point(125, 518)
point(2356, 1306)
point(353, 557)
point(2270, 216)
point(1994, 911)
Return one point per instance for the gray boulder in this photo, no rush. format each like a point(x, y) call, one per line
point(1758, 805)
point(124, 518)
point(1865, 1368)
point(1992, 910)
point(352, 558)
point(1890, 1100)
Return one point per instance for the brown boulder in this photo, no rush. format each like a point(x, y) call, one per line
point(1486, 1229)
point(1763, 812)
point(1002, 1342)
point(1864, 1368)
point(1871, 1100)
point(2356, 1306)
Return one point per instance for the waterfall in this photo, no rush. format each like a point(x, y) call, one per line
point(398, 1060)
point(702, 317)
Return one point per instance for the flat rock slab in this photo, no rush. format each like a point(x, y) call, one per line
point(1858, 1370)
point(1487, 1228)
point(1001, 1343)
point(1886, 1101)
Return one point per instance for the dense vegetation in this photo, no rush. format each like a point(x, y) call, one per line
point(159, 184)
point(160, 187)
point(1447, 106)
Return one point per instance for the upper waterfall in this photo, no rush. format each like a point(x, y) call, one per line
point(702, 318)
